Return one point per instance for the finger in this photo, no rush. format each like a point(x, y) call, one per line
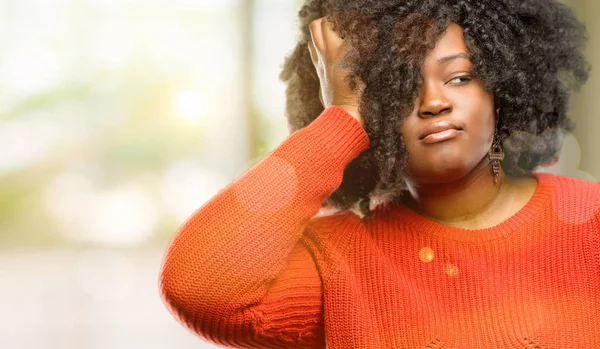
point(316, 35)
point(313, 54)
point(331, 38)
point(321, 96)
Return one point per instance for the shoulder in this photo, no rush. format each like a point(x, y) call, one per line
point(333, 227)
point(575, 200)
point(585, 191)
point(329, 218)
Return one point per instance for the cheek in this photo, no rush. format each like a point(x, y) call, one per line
point(408, 138)
point(480, 122)
point(488, 126)
point(483, 129)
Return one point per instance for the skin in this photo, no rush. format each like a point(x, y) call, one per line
point(327, 50)
point(457, 170)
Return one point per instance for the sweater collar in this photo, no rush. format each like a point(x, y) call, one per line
point(523, 217)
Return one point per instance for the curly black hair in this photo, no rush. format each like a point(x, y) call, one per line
point(529, 53)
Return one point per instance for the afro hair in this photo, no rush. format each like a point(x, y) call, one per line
point(529, 53)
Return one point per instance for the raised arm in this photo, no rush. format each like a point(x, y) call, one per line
point(236, 272)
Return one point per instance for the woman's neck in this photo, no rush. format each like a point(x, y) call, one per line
point(463, 202)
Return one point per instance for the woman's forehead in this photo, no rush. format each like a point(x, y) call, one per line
point(450, 46)
point(449, 43)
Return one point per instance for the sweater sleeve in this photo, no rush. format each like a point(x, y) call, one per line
point(597, 235)
point(236, 273)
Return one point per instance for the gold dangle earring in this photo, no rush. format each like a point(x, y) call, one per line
point(496, 154)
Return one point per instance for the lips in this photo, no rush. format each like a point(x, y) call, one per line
point(438, 127)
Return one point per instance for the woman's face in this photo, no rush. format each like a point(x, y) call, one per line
point(455, 109)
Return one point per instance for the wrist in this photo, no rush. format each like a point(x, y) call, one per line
point(353, 111)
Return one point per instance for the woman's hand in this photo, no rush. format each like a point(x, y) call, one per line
point(327, 50)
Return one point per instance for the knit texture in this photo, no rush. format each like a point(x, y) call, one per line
point(256, 267)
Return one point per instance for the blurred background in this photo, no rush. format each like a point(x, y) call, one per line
point(118, 119)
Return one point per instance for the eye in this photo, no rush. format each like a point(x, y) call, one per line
point(460, 80)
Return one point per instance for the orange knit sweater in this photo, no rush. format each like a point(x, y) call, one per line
point(254, 267)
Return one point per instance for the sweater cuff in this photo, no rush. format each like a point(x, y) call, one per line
point(343, 135)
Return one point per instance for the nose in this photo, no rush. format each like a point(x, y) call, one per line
point(432, 101)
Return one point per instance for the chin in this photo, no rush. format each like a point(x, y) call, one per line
point(442, 172)
point(446, 164)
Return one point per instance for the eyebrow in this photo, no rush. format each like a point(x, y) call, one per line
point(452, 57)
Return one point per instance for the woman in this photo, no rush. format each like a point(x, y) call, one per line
point(443, 110)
